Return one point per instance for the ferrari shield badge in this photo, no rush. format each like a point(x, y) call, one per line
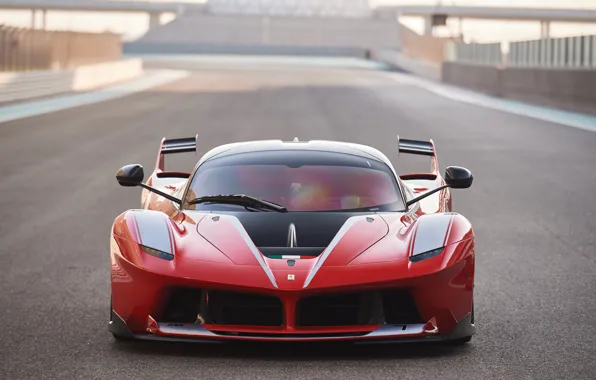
point(290, 277)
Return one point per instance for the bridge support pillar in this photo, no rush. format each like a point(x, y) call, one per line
point(44, 15)
point(428, 26)
point(154, 20)
point(544, 29)
point(33, 18)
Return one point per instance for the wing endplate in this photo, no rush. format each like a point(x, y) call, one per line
point(174, 146)
point(421, 148)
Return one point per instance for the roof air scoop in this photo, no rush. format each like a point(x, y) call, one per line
point(292, 241)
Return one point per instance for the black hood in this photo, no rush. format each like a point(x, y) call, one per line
point(313, 230)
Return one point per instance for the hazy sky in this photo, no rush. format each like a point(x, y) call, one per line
point(132, 26)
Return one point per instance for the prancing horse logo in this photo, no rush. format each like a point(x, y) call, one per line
point(291, 277)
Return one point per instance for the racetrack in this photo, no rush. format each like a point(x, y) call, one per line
point(533, 207)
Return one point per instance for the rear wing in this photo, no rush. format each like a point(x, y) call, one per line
point(424, 148)
point(421, 148)
point(173, 146)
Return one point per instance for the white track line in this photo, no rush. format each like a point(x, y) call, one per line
point(572, 119)
point(61, 102)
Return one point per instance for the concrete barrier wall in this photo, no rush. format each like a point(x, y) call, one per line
point(398, 60)
point(32, 84)
point(481, 78)
point(419, 55)
point(569, 89)
point(25, 49)
point(423, 48)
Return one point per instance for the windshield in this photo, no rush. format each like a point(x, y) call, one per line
point(299, 181)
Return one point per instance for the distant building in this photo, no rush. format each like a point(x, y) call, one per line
point(297, 8)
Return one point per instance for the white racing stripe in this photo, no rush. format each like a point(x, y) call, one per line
point(251, 245)
point(340, 234)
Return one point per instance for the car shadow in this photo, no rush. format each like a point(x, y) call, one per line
point(293, 351)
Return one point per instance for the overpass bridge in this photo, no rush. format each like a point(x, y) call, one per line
point(154, 9)
point(433, 15)
point(438, 15)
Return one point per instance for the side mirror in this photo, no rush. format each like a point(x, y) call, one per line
point(130, 175)
point(458, 178)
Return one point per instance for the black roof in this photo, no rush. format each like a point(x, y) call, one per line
point(278, 145)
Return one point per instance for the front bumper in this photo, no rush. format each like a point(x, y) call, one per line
point(443, 300)
point(186, 332)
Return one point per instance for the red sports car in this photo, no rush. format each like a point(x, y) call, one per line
point(293, 241)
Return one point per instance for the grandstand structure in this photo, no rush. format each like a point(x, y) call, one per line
point(321, 27)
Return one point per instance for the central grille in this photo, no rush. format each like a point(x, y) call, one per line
point(227, 308)
point(339, 310)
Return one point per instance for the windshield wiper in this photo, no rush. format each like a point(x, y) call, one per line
point(241, 200)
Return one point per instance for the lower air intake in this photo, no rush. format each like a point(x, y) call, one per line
point(183, 305)
point(353, 309)
point(399, 307)
point(227, 308)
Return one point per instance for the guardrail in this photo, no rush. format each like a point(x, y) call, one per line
point(27, 49)
point(31, 84)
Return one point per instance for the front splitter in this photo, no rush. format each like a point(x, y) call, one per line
point(180, 332)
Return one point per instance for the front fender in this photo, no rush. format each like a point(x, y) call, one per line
point(409, 237)
point(439, 230)
point(148, 228)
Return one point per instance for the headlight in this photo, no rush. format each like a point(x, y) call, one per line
point(426, 255)
point(157, 253)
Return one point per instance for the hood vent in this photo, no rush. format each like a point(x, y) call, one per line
point(291, 250)
point(292, 240)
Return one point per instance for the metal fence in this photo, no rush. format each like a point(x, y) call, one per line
point(485, 54)
point(26, 49)
point(568, 52)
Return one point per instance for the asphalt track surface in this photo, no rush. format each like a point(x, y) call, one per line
point(533, 207)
